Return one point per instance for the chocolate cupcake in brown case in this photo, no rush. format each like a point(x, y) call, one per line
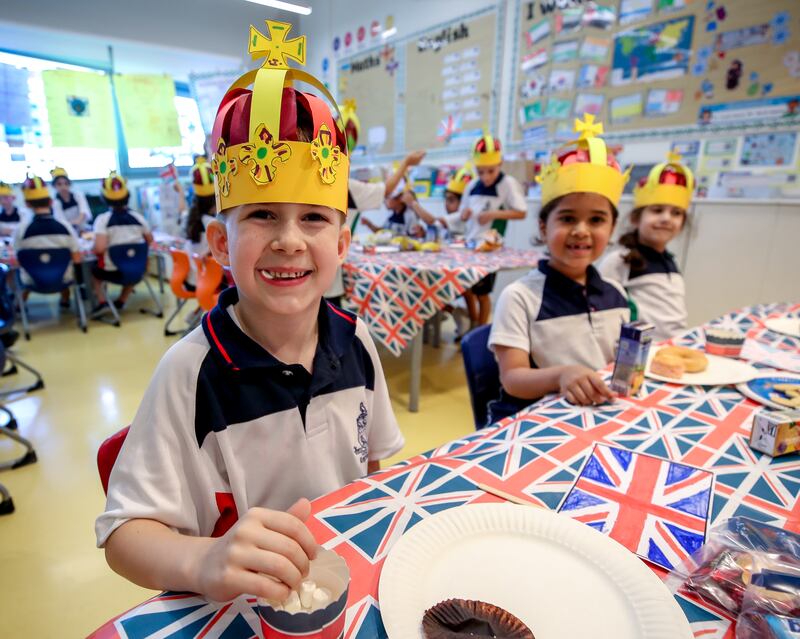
point(455, 618)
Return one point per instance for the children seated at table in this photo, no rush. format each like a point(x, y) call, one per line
point(43, 231)
point(278, 397)
point(453, 193)
point(9, 213)
point(401, 220)
point(641, 262)
point(69, 205)
point(201, 214)
point(120, 225)
point(489, 202)
point(558, 325)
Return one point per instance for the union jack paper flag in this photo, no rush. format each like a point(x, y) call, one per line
point(654, 507)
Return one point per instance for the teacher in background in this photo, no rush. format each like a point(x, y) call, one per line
point(69, 206)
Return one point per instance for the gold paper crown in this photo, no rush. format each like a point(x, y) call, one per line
point(58, 172)
point(460, 179)
point(594, 175)
point(486, 151)
point(654, 191)
point(34, 188)
point(266, 168)
point(352, 125)
point(202, 177)
point(5, 189)
point(115, 187)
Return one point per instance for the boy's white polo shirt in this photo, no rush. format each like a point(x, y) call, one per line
point(657, 289)
point(506, 193)
point(121, 227)
point(559, 321)
point(44, 231)
point(224, 426)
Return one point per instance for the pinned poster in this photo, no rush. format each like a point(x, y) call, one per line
point(599, 16)
point(663, 102)
point(561, 80)
point(653, 52)
point(558, 108)
point(671, 5)
point(80, 109)
point(746, 37)
point(634, 10)
point(626, 107)
point(533, 61)
point(781, 109)
point(564, 51)
point(15, 107)
point(531, 112)
point(147, 108)
point(769, 150)
point(208, 90)
point(592, 76)
point(569, 19)
point(537, 32)
point(589, 103)
point(595, 49)
point(534, 85)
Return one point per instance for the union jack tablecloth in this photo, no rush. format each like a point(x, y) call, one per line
point(537, 454)
point(394, 293)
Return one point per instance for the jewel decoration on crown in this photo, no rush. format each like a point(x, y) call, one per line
point(258, 157)
point(668, 183)
point(585, 165)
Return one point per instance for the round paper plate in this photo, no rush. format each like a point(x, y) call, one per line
point(560, 577)
point(786, 325)
point(720, 371)
point(760, 388)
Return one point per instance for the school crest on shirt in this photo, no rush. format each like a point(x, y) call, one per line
point(361, 422)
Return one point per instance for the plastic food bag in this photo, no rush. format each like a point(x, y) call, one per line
point(771, 605)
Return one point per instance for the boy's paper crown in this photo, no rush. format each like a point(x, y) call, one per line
point(259, 157)
point(668, 183)
point(115, 187)
point(352, 125)
point(460, 179)
point(583, 166)
point(202, 178)
point(34, 188)
point(5, 189)
point(487, 152)
point(58, 172)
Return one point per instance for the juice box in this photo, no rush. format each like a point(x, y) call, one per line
point(632, 350)
point(776, 432)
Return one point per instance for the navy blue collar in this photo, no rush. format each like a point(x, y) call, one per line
point(594, 282)
point(649, 253)
point(337, 330)
point(481, 189)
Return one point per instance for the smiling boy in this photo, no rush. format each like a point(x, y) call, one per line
point(278, 397)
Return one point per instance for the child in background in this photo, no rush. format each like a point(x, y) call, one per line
point(9, 213)
point(641, 263)
point(489, 201)
point(120, 225)
point(68, 205)
point(401, 220)
point(201, 214)
point(558, 325)
point(43, 231)
point(453, 193)
point(278, 397)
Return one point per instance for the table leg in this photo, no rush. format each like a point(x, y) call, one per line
point(160, 267)
point(437, 329)
point(416, 373)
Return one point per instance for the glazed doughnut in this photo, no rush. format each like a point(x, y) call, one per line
point(693, 360)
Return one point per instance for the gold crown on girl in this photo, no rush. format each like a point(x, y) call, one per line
point(462, 177)
point(202, 177)
point(258, 155)
point(352, 125)
point(667, 183)
point(34, 188)
point(585, 165)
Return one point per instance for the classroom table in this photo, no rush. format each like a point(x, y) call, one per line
point(536, 455)
point(396, 293)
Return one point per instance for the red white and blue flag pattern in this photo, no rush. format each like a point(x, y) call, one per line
point(538, 454)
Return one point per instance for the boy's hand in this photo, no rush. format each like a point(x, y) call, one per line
point(414, 158)
point(266, 553)
point(408, 198)
point(583, 386)
point(485, 217)
point(466, 214)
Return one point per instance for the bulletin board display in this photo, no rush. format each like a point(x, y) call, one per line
point(650, 64)
point(451, 82)
point(371, 79)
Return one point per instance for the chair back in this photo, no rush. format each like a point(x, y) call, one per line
point(107, 454)
point(7, 312)
point(483, 375)
point(130, 260)
point(209, 277)
point(180, 271)
point(46, 267)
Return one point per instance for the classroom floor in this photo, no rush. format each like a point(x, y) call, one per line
point(53, 580)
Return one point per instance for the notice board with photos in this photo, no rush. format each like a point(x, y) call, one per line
point(433, 89)
point(650, 64)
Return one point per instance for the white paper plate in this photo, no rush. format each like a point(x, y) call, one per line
point(720, 371)
point(758, 389)
point(786, 325)
point(560, 577)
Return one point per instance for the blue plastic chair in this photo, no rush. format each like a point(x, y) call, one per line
point(46, 267)
point(483, 375)
point(131, 263)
